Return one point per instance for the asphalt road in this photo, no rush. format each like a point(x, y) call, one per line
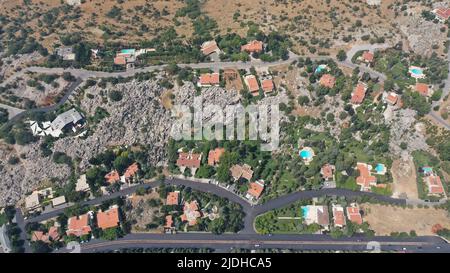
point(283, 241)
point(67, 92)
point(251, 211)
point(83, 74)
point(247, 237)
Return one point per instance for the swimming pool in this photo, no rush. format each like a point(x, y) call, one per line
point(417, 71)
point(320, 68)
point(379, 168)
point(304, 212)
point(305, 154)
point(127, 51)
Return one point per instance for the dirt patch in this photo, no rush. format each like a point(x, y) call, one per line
point(166, 99)
point(142, 213)
point(404, 176)
point(387, 219)
point(232, 80)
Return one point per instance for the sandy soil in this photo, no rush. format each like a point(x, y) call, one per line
point(386, 219)
point(404, 176)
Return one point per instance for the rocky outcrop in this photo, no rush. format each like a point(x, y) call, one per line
point(25, 176)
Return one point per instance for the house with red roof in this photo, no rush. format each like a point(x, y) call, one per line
point(253, 47)
point(327, 172)
point(423, 89)
point(52, 235)
point(267, 85)
point(338, 215)
point(367, 57)
point(252, 84)
point(255, 190)
point(365, 179)
point(79, 225)
point(359, 93)
point(390, 98)
point(189, 160)
point(129, 173)
point(191, 213)
point(434, 185)
point(442, 14)
point(112, 177)
point(214, 156)
point(172, 198)
point(209, 47)
point(208, 79)
point(353, 214)
point(241, 171)
point(109, 218)
point(327, 80)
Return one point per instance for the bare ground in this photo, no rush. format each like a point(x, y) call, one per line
point(386, 219)
point(404, 176)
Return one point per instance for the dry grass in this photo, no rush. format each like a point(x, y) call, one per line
point(386, 219)
point(269, 15)
point(404, 176)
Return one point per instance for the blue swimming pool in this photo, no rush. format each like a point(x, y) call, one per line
point(305, 212)
point(320, 68)
point(379, 168)
point(127, 51)
point(305, 154)
point(417, 71)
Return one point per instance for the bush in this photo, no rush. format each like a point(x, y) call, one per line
point(115, 95)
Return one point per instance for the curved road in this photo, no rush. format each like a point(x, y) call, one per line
point(247, 237)
point(251, 211)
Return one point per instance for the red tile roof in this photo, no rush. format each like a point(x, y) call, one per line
point(392, 98)
point(112, 177)
point(327, 171)
point(108, 219)
point(365, 179)
point(252, 83)
point(209, 47)
point(53, 233)
point(238, 171)
point(443, 13)
point(255, 189)
point(367, 56)
point(253, 46)
point(189, 160)
point(190, 213)
point(120, 60)
point(78, 226)
point(353, 215)
point(39, 236)
point(172, 198)
point(327, 80)
point(434, 184)
point(131, 170)
point(209, 79)
point(422, 88)
point(338, 216)
point(214, 156)
point(358, 94)
point(267, 85)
